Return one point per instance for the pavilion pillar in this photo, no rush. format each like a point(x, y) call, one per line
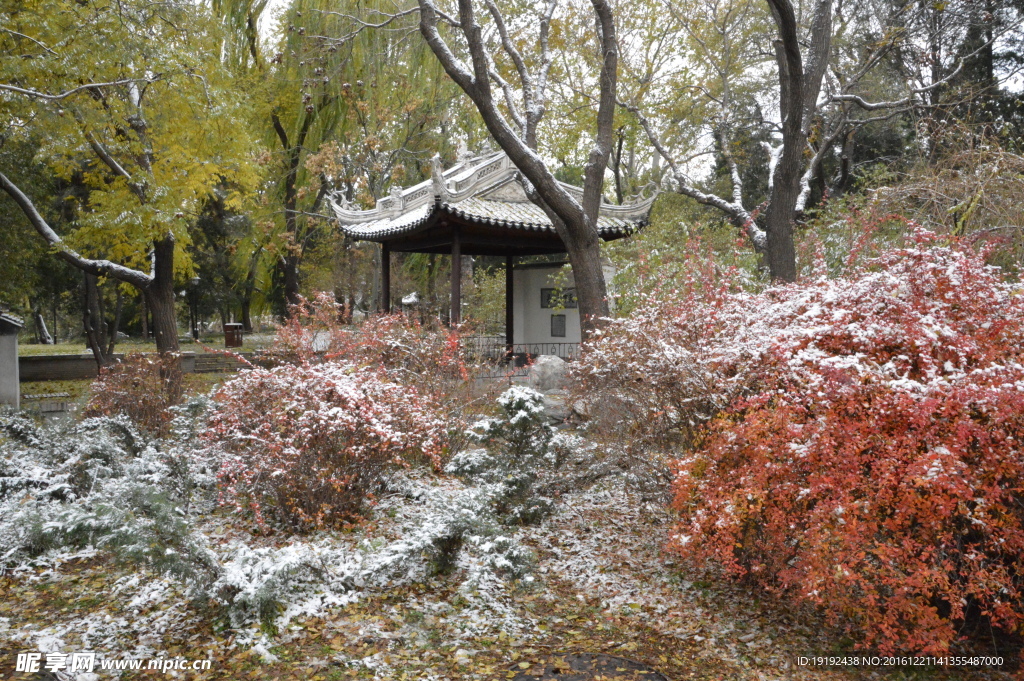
point(509, 319)
point(456, 304)
point(385, 278)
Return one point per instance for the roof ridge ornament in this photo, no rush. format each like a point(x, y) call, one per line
point(397, 203)
point(440, 187)
point(464, 155)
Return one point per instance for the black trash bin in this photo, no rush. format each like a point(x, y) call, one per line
point(232, 335)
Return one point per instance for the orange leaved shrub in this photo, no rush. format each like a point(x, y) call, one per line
point(869, 458)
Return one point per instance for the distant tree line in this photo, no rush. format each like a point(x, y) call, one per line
point(162, 159)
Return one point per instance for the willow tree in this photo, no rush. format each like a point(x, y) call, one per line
point(348, 115)
point(134, 104)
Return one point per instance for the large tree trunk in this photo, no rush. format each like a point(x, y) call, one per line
point(289, 264)
point(780, 252)
point(591, 290)
point(144, 311)
point(43, 336)
point(584, 250)
point(246, 305)
point(290, 270)
point(94, 321)
point(160, 297)
point(248, 289)
point(798, 92)
point(115, 325)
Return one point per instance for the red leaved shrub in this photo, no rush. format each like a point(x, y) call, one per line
point(306, 445)
point(141, 387)
point(432, 358)
point(869, 459)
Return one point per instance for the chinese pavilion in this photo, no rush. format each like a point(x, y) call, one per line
point(479, 207)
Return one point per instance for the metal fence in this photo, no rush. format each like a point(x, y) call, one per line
point(498, 359)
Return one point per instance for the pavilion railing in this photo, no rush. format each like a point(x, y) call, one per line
point(497, 359)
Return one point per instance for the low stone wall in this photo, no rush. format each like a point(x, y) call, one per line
point(75, 367)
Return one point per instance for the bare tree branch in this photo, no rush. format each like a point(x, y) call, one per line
point(28, 37)
point(593, 179)
point(737, 214)
point(517, 59)
point(478, 89)
point(88, 86)
point(575, 221)
point(99, 268)
point(734, 172)
point(510, 100)
point(108, 159)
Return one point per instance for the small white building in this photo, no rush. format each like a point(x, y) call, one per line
point(479, 207)
point(10, 387)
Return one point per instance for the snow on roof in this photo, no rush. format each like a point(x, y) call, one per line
point(9, 323)
point(484, 190)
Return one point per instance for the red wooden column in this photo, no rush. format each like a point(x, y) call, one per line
point(456, 304)
point(385, 278)
point(509, 319)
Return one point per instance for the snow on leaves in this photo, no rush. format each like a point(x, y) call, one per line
point(857, 440)
point(304, 446)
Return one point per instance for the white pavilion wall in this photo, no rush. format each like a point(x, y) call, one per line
point(10, 389)
point(531, 322)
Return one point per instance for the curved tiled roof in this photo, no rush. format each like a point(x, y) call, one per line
point(484, 191)
point(9, 324)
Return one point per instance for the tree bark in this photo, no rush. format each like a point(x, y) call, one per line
point(160, 297)
point(248, 289)
point(43, 336)
point(145, 317)
point(246, 315)
point(94, 323)
point(289, 263)
point(290, 270)
point(116, 323)
point(591, 289)
point(798, 92)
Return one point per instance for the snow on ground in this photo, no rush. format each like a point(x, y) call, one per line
point(601, 581)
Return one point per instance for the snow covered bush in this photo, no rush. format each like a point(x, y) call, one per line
point(428, 357)
point(448, 520)
point(654, 378)
point(141, 387)
point(431, 358)
point(439, 527)
point(518, 453)
point(305, 446)
point(102, 484)
point(97, 483)
point(862, 449)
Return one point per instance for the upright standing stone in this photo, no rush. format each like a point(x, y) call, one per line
point(10, 390)
point(548, 373)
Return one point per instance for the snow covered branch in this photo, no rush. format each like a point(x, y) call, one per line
point(36, 94)
point(99, 268)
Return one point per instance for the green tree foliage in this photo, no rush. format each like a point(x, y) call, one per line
point(348, 112)
point(131, 102)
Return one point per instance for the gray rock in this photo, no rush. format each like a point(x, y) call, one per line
point(548, 373)
point(555, 408)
